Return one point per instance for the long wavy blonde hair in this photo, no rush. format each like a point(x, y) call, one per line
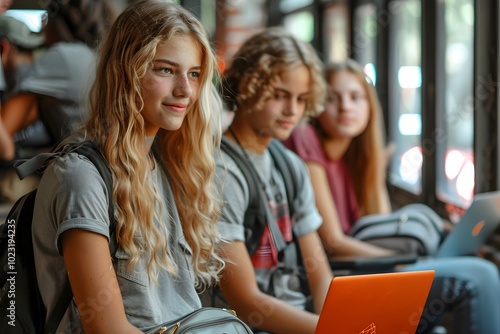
point(117, 126)
point(365, 155)
point(260, 61)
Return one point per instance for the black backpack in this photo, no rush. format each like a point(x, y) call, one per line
point(21, 306)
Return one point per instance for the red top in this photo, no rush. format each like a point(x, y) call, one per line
point(305, 142)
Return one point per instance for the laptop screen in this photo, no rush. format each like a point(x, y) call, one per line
point(474, 228)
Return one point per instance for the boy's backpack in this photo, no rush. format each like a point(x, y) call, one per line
point(258, 214)
point(21, 306)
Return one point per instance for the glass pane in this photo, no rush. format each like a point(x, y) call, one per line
point(455, 174)
point(365, 32)
point(208, 16)
point(335, 41)
point(289, 5)
point(405, 79)
point(300, 25)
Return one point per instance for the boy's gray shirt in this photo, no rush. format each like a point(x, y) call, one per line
point(236, 200)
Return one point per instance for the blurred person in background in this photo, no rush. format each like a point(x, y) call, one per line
point(17, 48)
point(4, 5)
point(57, 85)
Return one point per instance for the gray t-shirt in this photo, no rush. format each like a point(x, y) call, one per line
point(72, 194)
point(236, 201)
point(65, 71)
point(63, 76)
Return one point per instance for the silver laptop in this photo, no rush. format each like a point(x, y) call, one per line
point(474, 228)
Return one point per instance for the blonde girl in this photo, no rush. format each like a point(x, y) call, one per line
point(154, 114)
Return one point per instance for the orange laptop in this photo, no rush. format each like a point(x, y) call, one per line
point(378, 303)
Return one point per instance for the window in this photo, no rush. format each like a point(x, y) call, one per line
point(365, 31)
point(405, 80)
point(300, 24)
point(287, 6)
point(335, 39)
point(455, 165)
point(207, 16)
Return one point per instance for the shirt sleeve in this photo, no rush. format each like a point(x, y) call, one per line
point(73, 194)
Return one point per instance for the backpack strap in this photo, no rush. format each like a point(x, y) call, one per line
point(290, 177)
point(38, 163)
point(282, 162)
point(26, 167)
point(58, 313)
point(257, 202)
